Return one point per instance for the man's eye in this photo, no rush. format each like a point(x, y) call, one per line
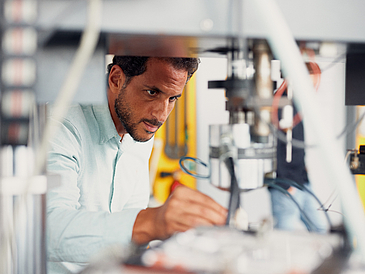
point(173, 99)
point(151, 92)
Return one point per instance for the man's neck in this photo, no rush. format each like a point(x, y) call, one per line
point(118, 125)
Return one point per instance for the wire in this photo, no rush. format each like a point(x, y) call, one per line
point(303, 188)
point(329, 198)
point(310, 226)
point(198, 161)
point(284, 46)
point(275, 104)
point(334, 62)
point(299, 143)
point(352, 127)
point(314, 70)
point(282, 137)
point(331, 203)
point(234, 198)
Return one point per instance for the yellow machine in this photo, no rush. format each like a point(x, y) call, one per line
point(176, 138)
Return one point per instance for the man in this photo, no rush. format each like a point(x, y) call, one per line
point(102, 154)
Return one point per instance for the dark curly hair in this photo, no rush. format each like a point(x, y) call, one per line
point(136, 65)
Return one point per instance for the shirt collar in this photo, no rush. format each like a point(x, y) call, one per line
point(105, 122)
point(107, 128)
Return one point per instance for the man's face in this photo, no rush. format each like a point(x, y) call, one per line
point(144, 105)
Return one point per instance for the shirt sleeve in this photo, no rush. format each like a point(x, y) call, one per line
point(73, 233)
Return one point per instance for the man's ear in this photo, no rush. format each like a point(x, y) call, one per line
point(116, 79)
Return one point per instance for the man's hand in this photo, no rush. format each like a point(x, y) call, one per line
point(184, 209)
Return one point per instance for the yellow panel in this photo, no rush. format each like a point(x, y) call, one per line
point(186, 133)
point(360, 179)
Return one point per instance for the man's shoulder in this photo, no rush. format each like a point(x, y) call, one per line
point(76, 111)
point(77, 117)
point(79, 114)
point(71, 111)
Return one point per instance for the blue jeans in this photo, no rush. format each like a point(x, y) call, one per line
point(287, 215)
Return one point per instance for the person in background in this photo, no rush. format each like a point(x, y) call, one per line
point(285, 212)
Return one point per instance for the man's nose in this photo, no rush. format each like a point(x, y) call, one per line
point(162, 110)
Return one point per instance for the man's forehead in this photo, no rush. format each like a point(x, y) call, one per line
point(160, 68)
point(164, 61)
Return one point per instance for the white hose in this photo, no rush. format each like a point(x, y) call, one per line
point(84, 53)
point(285, 48)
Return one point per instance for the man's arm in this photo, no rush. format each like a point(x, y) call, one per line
point(79, 226)
point(184, 209)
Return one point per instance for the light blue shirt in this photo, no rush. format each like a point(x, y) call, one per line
point(104, 185)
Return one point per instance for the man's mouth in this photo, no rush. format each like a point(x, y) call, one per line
point(150, 128)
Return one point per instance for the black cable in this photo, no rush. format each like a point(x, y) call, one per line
point(334, 62)
point(310, 226)
point(321, 206)
point(351, 127)
point(234, 201)
point(234, 198)
point(303, 188)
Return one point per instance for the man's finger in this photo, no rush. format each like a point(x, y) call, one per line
point(204, 214)
point(197, 197)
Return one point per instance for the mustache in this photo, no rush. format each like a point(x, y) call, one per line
point(153, 122)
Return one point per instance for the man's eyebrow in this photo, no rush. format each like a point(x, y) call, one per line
point(160, 91)
point(155, 89)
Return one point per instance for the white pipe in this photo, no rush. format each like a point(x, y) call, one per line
point(285, 48)
point(83, 54)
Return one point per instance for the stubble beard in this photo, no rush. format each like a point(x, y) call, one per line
point(125, 116)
